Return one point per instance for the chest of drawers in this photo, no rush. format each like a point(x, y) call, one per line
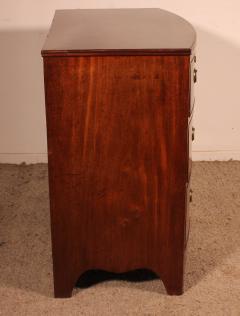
point(119, 102)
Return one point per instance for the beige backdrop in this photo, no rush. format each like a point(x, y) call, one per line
point(23, 27)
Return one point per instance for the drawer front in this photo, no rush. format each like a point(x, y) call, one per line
point(187, 216)
point(193, 78)
point(191, 136)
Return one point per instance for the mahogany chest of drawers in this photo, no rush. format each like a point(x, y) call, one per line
point(119, 101)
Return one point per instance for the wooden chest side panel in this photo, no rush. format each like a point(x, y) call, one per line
point(118, 164)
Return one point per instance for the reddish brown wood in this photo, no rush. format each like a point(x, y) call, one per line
point(118, 149)
point(119, 32)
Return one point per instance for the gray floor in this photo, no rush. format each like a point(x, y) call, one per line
point(212, 284)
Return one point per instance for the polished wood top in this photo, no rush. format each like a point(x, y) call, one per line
point(120, 32)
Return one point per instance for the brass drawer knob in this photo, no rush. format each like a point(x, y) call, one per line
point(195, 75)
point(193, 133)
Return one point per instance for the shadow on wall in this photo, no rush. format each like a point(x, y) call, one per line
point(217, 93)
point(22, 113)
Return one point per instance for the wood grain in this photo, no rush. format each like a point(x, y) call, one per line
point(118, 165)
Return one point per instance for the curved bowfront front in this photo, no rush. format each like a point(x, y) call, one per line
point(118, 31)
